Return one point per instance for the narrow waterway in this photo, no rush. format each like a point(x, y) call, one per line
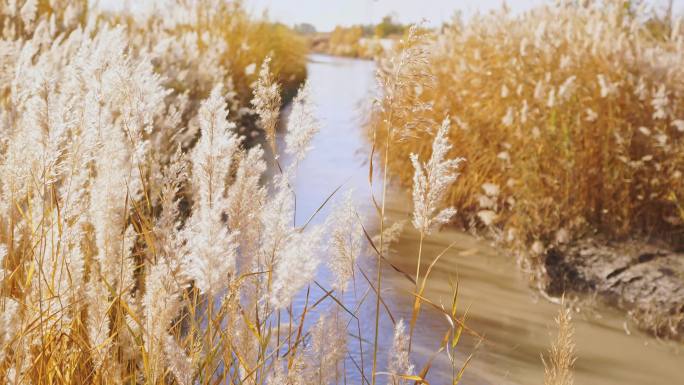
point(516, 322)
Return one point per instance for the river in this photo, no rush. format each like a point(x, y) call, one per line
point(516, 322)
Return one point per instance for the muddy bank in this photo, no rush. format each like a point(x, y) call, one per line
point(645, 280)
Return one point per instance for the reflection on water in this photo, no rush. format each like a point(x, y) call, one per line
point(516, 323)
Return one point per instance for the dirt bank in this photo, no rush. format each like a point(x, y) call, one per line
point(646, 280)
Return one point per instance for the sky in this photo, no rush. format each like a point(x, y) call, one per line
point(326, 14)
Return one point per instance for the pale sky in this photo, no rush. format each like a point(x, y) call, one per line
point(326, 14)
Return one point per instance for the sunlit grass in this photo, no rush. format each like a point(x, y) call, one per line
point(141, 241)
point(569, 118)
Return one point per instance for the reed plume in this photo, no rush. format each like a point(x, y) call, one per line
point(399, 356)
point(302, 125)
point(346, 241)
point(267, 103)
point(211, 246)
point(431, 182)
point(558, 369)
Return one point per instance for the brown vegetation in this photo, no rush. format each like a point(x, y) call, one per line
point(569, 117)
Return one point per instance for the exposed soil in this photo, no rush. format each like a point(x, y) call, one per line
point(646, 280)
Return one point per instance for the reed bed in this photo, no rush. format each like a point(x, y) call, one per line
point(140, 242)
point(570, 118)
point(354, 41)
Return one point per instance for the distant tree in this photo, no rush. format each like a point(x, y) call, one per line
point(305, 28)
point(388, 27)
point(368, 30)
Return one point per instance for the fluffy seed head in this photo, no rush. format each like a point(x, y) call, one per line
point(431, 182)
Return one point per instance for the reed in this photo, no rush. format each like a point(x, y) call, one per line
point(561, 357)
point(140, 238)
point(569, 117)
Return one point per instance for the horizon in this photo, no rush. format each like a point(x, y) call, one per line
point(325, 16)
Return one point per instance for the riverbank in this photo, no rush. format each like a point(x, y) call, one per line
point(555, 151)
point(645, 280)
point(516, 320)
point(354, 47)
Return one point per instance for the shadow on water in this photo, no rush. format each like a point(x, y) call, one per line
point(517, 324)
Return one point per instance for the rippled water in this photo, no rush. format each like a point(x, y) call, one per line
point(517, 324)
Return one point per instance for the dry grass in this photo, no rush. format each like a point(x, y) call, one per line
point(570, 118)
point(558, 370)
point(139, 240)
point(198, 43)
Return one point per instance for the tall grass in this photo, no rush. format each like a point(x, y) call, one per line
point(139, 240)
point(197, 43)
point(561, 357)
point(570, 118)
